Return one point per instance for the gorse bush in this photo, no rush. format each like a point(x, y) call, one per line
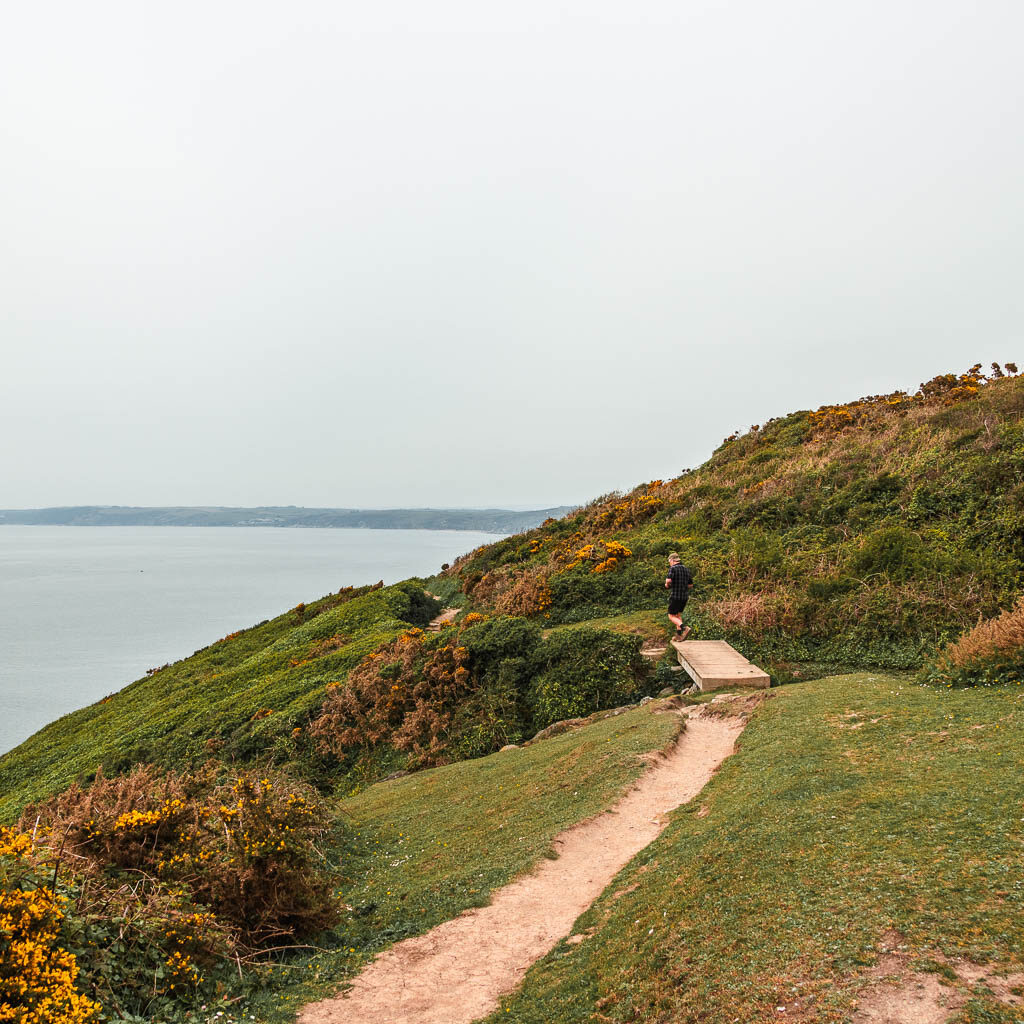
point(38, 977)
point(474, 687)
point(945, 389)
point(169, 875)
point(529, 594)
point(405, 693)
point(245, 847)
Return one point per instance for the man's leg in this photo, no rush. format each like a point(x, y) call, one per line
point(677, 620)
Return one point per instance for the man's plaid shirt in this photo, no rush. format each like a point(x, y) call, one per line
point(681, 580)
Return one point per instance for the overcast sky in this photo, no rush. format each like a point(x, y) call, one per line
point(470, 253)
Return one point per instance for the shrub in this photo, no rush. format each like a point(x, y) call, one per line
point(37, 976)
point(586, 670)
point(434, 697)
point(637, 508)
point(244, 847)
point(144, 949)
point(992, 653)
point(1002, 635)
point(529, 595)
point(372, 705)
point(579, 594)
point(892, 551)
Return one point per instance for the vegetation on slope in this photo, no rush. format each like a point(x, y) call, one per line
point(864, 534)
point(244, 699)
point(168, 883)
point(990, 654)
point(856, 806)
point(180, 899)
point(870, 533)
point(473, 688)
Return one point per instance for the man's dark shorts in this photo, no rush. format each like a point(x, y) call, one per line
point(676, 605)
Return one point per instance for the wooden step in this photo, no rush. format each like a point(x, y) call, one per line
point(714, 664)
point(653, 651)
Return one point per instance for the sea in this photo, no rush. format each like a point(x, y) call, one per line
point(86, 610)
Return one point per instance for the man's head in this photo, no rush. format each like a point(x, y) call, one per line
point(673, 559)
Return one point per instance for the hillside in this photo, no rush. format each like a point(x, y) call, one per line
point(239, 699)
point(863, 831)
point(863, 534)
point(224, 817)
point(859, 535)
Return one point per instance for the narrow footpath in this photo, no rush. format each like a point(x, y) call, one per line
point(458, 971)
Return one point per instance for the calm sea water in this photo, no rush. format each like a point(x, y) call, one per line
point(86, 610)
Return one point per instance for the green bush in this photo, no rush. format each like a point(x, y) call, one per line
point(587, 670)
point(891, 551)
point(997, 671)
point(580, 594)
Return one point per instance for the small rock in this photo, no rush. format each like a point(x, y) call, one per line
point(559, 727)
point(645, 700)
point(667, 692)
point(509, 746)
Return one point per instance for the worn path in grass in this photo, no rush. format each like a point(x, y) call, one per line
point(457, 972)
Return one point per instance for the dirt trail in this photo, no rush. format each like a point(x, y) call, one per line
point(457, 972)
point(447, 615)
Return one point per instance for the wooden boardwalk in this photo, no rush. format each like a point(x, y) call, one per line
point(714, 664)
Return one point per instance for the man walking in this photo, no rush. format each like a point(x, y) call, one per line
point(678, 585)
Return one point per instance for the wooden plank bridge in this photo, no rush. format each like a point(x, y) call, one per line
point(714, 664)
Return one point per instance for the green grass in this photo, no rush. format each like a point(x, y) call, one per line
point(429, 845)
point(204, 704)
point(651, 625)
point(855, 805)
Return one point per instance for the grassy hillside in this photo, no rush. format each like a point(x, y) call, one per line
point(863, 534)
point(867, 534)
point(404, 855)
point(857, 806)
point(241, 699)
point(428, 846)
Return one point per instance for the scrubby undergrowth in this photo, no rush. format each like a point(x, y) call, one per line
point(862, 534)
point(990, 654)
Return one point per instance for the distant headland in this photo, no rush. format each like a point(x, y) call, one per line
point(488, 520)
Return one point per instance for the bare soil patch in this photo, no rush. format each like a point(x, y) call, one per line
point(898, 995)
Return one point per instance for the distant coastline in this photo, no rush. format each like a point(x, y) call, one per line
point(490, 520)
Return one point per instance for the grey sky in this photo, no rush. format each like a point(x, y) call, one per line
point(461, 253)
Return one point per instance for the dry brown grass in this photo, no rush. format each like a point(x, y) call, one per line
point(1003, 634)
point(757, 612)
point(528, 596)
point(744, 612)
